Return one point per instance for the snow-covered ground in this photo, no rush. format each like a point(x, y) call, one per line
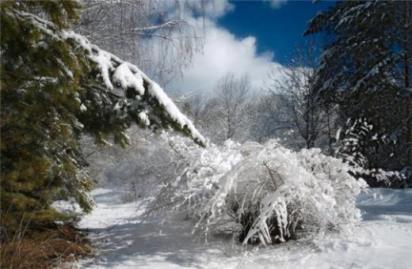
point(124, 240)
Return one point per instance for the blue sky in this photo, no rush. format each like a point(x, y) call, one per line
point(253, 38)
point(277, 29)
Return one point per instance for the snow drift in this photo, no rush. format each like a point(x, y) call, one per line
point(261, 194)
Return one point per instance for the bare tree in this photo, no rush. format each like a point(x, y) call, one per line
point(231, 97)
point(270, 120)
point(195, 105)
point(222, 114)
point(152, 34)
point(300, 99)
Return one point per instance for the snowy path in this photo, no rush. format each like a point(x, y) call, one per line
point(383, 240)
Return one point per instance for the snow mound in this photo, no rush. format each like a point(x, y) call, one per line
point(262, 193)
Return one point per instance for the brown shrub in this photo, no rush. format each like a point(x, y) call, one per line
point(45, 248)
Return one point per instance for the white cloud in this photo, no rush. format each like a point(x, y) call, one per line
point(277, 3)
point(212, 9)
point(223, 53)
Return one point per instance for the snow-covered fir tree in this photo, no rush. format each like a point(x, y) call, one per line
point(366, 69)
point(55, 87)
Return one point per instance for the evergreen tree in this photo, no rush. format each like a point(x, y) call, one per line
point(366, 69)
point(56, 86)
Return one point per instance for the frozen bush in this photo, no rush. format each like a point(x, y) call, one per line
point(261, 193)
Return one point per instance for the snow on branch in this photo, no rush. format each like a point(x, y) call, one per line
point(127, 82)
point(117, 73)
point(167, 24)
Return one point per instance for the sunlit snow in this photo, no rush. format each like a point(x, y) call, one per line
point(125, 240)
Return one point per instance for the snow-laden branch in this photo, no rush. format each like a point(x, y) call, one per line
point(167, 24)
point(148, 101)
point(117, 73)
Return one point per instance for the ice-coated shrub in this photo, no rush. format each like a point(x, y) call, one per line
point(261, 193)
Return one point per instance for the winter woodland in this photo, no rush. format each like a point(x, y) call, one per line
point(111, 158)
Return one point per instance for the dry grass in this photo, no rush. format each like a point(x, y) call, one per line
point(48, 248)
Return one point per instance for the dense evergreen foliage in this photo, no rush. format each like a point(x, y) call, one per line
point(366, 70)
point(56, 86)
